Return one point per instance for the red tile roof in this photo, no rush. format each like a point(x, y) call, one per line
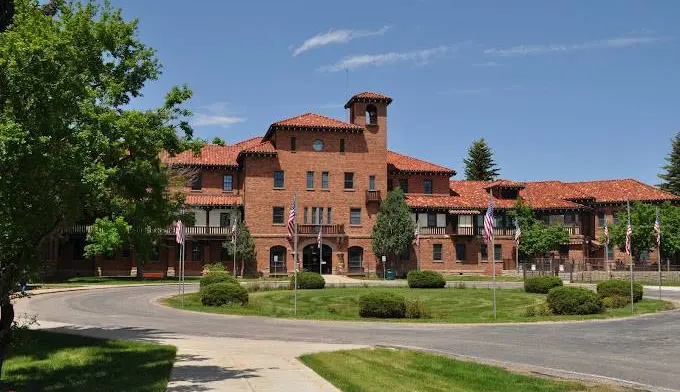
point(405, 163)
point(197, 199)
point(505, 184)
point(549, 195)
point(312, 121)
point(266, 148)
point(618, 191)
point(212, 154)
point(368, 96)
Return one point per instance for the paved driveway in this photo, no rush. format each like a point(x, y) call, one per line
point(643, 349)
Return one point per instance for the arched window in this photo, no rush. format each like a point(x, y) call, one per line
point(356, 257)
point(371, 114)
point(277, 259)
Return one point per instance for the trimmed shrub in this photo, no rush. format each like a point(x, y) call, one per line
point(425, 280)
point(615, 301)
point(541, 309)
point(218, 294)
point(382, 305)
point(217, 277)
point(619, 287)
point(541, 284)
point(214, 267)
point(415, 309)
point(308, 280)
point(574, 300)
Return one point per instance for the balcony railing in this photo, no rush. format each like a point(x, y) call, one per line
point(436, 231)
point(373, 196)
point(327, 229)
point(573, 230)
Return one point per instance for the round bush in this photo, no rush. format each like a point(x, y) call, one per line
point(382, 305)
point(308, 280)
point(615, 301)
point(619, 287)
point(574, 300)
point(425, 280)
point(218, 294)
point(541, 284)
point(217, 277)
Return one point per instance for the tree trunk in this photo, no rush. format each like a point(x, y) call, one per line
point(6, 319)
point(242, 267)
point(140, 270)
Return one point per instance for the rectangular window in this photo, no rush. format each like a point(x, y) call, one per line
point(498, 252)
point(324, 180)
point(196, 251)
point(403, 184)
point(228, 183)
point(600, 219)
point(460, 252)
point(330, 216)
point(304, 217)
point(427, 187)
point(317, 215)
point(437, 252)
point(342, 145)
point(355, 216)
point(349, 180)
point(277, 215)
point(278, 179)
point(484, 252)
point(310, 180)
point(614, 218)
point(431, 220)
point(225, 219)
point(293, 143)
point(371, 183)
point(196, 182)
point(390, 184)
point(610, 252)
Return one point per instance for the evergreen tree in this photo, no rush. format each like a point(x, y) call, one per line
point(672, 176)
point(393, 231)
point(218, 141)
point(245, 246)
point(479, 165)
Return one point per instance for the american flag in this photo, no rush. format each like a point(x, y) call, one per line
point(179, 232)
point(291, 220)
point(657, 229)
point(629, 233)
point(488, 223)
point(416, 239)
point(606, 234)
point(318, 238)
point(518, 232)
point(233, 232)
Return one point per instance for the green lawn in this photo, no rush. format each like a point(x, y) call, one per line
point(45, 361)
point(114, 280)
point(482, 278)
point(404, 370)
point(447, 305)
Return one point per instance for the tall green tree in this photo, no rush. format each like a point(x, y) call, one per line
point(537, 237)
point(394, 231)
point(218, 141)
point(70, 147)
point(479, 165)
point(671, 177)
point(244, 248)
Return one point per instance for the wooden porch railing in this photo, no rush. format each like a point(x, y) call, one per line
point(373, 196)
point(327, 229)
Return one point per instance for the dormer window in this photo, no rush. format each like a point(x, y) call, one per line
point(371, 115)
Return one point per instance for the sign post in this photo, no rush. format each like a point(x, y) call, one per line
point(384, 260)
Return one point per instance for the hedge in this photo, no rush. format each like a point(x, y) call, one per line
point(382, 305)
point(615, 301)
point(541, 284)
point(425, 280)
point(308, 280)
point(619, 287)
point(574, 300)
point(217, 277)
point(218, 294)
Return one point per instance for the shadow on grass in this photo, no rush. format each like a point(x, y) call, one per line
point(84, 359)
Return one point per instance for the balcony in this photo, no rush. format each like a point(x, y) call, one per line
point(436, 231)
point(573, 230)
point(327, 229)
point(373, 196)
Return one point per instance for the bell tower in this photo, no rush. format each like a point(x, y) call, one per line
point(369, 110)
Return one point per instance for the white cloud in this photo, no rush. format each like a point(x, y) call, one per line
point(215, 115)
point(418, 56)
point(528, 50)
point(335, 37)
point(488, 64)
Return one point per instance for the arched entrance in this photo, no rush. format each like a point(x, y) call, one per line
point(311, 260)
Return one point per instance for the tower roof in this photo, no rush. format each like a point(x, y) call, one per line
point(368, 96)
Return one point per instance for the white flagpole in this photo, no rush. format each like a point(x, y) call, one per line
point(233, 242)
point(493, 266)
point(295, 256)
point(630, 259)
point(320, 248)
point(658, 246)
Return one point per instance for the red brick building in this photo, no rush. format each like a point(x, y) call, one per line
point(340, 171)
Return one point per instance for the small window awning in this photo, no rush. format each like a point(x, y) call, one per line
point(464, 212)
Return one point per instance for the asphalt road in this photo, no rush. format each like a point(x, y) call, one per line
point(643, 350)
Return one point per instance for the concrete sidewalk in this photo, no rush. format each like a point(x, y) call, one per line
point(229, 364)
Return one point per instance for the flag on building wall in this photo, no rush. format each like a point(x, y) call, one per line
point(488, 223)
point(179, 232)
point(657, 229)
point(291, 220)
point(606, 234)
point(416, 238)
point(629, 233)
point(518, 233)
point(318, 238)
point(233, 232)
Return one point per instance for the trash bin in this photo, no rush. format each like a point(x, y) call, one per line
point(390, 274)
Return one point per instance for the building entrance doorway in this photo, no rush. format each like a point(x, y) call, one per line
point(311, 260)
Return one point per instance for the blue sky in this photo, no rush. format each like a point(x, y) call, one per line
point(570, 90)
